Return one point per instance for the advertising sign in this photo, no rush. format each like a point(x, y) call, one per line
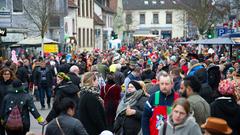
point(50, 48)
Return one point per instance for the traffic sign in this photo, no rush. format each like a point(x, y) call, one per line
point(221, 31)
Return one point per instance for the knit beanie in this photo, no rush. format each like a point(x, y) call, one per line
point(136, 85)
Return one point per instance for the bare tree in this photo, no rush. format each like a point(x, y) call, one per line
point(204, 13)
point(39, 13)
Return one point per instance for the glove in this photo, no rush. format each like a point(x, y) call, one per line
point(41, 121)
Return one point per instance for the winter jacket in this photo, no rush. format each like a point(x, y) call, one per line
point(66, 89)
point(25, 103)
point(194, 68)
point(148, 74)
point(22, 74)
point(227, 109)
point(111, 95)
point(49, 77)
point(148, 109)
point(69, 125)
point(188, 127)
point(200, 108)
point(74, 78)
point(4, 87)
point(131, 124)
point(91, 111)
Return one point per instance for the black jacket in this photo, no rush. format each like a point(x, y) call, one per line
point(91, 112)
point(23, 74)
point(69, 125)
point(4, 87)
point(148, 74)
point(227, 109)
point(25, 103)
point(67, 89)
point(74, 78)
point(131, 124)
point(49, 76)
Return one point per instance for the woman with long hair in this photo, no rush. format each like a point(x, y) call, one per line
point(6, 78)
point(90, 106)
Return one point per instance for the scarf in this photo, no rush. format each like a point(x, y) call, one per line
point(129, 99)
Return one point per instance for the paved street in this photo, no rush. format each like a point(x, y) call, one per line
point(35, 127)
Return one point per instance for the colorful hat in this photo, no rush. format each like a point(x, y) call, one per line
point(226, 87)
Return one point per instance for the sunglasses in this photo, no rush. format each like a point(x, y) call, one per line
point(6, 74)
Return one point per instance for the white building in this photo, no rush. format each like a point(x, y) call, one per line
point(153, 17)
point(85, 25)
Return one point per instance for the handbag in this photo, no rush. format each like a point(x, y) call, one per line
point(59, 126)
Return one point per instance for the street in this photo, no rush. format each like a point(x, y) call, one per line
point(35, 127)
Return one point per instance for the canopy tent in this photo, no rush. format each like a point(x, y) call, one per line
point(36, 41)
point(214, 41)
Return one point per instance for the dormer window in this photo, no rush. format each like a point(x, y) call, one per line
point(146, 2)
point(162, 2)
point(154, 2)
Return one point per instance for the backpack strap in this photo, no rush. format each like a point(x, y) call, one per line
point(157, 97)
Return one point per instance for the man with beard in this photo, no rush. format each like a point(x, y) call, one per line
point(190, 89)
point(158, 107)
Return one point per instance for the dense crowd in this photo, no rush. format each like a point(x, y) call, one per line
point(152, 88)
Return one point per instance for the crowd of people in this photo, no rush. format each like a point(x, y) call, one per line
point(150, 89)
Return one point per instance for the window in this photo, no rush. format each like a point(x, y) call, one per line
point(129, 18)
point(54, 21)
point(87, 8)
point(91, 37)
point(91, 9)
point(79, 8)
point(104, 19)
point(2, 4)
point(154, 2)
point(168, 18)
point(84, 37)
point(155, 18)
point(87, 37)
point(142, 18)
point(146, 2)
point(162, 2)
point(17, 6)
point(79, 37)
point(83, 8)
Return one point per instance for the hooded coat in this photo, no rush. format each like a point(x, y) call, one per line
point(67, 89)
point(188, 127)
point(227, 109)
point(91, 111)
point(25, 103)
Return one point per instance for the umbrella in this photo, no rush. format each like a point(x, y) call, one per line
point(36, 41)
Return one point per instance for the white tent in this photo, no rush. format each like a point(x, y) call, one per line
point(36, 41)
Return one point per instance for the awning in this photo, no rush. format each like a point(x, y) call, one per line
point(36, 41)
point(143, 33)
point(214, 41)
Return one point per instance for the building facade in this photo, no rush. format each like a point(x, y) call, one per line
point(85, 25)
point(154, 18)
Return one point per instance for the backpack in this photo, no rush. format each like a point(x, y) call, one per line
point(14, 120)
point(159, 115)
